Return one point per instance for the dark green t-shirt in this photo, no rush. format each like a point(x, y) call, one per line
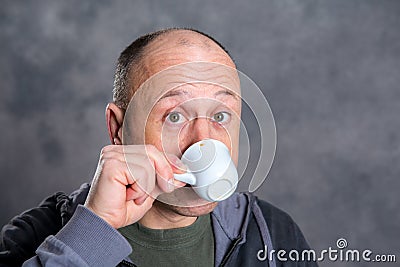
point(192, 245)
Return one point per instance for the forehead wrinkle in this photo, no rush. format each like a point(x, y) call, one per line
point(172, 93)
point(187, 94)
point(154, 90)
point(159, 55)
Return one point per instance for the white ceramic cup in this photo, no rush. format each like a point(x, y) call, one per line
point(211, 171)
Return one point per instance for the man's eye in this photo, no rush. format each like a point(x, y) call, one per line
point(221, 117)
point(175, 117)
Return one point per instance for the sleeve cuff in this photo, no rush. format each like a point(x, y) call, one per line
point(92, 238)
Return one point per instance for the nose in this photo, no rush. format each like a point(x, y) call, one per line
point(196, 130)
point(200, 129)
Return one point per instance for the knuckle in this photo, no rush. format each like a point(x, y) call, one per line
point(106, 149)
point(138, 172)
point(141, 157)
point(109, 162)
point(151, 148)
point(150, 173)
point(147, 173)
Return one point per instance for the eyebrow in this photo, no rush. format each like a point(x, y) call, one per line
point(180, 92)
point(226, 92)
point(177, 92)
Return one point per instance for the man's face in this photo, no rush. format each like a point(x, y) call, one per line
point(182, 104)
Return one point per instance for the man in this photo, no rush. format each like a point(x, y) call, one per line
point(117, 220)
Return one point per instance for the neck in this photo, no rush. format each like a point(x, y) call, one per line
point(160, 217)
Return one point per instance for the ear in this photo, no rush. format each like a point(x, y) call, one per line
point(114, 118)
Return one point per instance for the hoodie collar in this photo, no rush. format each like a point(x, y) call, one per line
point(230, 220)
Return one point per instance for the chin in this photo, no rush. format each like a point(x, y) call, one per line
point(191, 211)
point(184, 201)
point(195, 211)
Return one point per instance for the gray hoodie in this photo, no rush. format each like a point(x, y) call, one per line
point(246, 231)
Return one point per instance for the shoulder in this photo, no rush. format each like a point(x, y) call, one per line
point(285, 233)
point(23, 234)
point(274, 215)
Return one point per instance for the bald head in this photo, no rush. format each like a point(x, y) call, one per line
point(157, 51)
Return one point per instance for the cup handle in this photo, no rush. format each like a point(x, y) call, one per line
point(187, 177)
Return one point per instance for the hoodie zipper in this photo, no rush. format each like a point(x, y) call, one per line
point(225, 260)
point(127, 263)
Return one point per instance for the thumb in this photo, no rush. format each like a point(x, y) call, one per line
point(136, 212)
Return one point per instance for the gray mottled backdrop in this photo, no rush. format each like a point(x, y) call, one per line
point(330, 70)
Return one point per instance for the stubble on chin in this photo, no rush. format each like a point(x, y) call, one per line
point(194, 211)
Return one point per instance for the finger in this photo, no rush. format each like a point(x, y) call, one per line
point(176, 164)
point(133, 193)
point(146, 156)
point(135, 211)
point(150, 158)
point(141, 200)
point(177, 167)
point(144, 176)
point(124, 152)
point(121, 148)
point(162, 167)
point(133, 157)
point(137, 190)
point(178, 184)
